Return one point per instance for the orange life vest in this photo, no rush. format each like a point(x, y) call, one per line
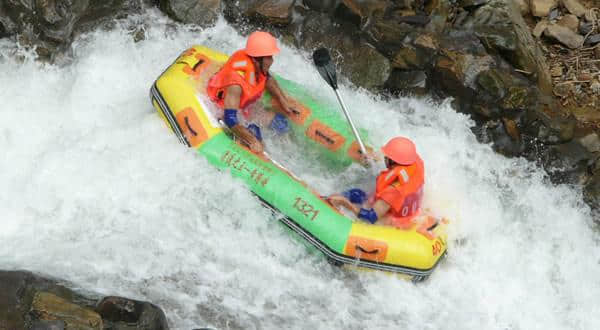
point(239, 70)
point(402, 188)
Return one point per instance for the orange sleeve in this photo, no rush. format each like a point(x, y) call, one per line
point(393, 197)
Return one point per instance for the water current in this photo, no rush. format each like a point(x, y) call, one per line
point(96, 190)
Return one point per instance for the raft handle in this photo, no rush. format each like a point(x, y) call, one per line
point(187, 123)
point(361, 249)
point(197, 64)
point(435, 224)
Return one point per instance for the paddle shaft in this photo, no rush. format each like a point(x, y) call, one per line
point(354, 130)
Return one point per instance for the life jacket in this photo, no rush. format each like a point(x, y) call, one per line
point(239, 70)
point(402, 188)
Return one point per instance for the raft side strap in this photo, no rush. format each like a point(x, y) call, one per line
point(169, 115)
point(361, 249)
point(187, 123)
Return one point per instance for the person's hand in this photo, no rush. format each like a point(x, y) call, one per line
point(337, 200)
point(248, 138)
point(288, 106)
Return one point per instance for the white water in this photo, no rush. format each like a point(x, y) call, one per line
point(95, 190)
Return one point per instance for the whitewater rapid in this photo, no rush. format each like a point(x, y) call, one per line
point(96, 190)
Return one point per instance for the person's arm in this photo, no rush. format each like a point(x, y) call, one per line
point(233, 95)
point(370, 214)
point(274, 89)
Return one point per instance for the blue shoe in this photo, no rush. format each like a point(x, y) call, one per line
point(255, 131)
point(279, 124)
point(355, 195)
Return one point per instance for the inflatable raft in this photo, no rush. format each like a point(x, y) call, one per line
point(179, 97)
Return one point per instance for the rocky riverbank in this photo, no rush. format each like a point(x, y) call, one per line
point(31, 301)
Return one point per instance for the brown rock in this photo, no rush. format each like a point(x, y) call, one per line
point(51, 307)
point(574, 7)
point(541, 8)
point(523, 6)
point(569, 21)
point(556, 71)
point(540, 27)
point(511, 129)
point(597, 52)
point(426, 41)
point(564, 35)
point(276, 12)
point(584, 76)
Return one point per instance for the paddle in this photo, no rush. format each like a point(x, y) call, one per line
point(327, 70)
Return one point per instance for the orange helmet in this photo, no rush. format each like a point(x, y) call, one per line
point(261, 44)
point(401, 150)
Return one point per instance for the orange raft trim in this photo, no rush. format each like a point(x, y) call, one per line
point(325, 135)
point(364, 248)
point(191, 126)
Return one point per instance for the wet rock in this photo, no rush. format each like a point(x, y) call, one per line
point(593, 39)
point(471, 3)
point(591, 142)
point(574, 7)
point(47, 306)
point(401, 82)
point(29, 301)
point(591, 191)
point(571, 22)
point(568, 163)
point(203, 13)
point(541, 8)
point(360, 12)
point(121, 312)
point(564, 36)
point(274, 12)
point(504, 135)
point(356, 59)
point(321, 5)
point(440, 13)
point(551, 128)
point(503, 31)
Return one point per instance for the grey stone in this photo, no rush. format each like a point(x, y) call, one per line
point(585, 28)
point(202, 13)
point(574, 7)
point(591, 142)
point(593, 39)
point(564, 36)
point(541, 8)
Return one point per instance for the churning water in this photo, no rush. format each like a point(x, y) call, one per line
point(97, 191)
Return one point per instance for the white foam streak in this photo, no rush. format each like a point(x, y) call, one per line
point(98, 192)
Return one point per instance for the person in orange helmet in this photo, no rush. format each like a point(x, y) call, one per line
point(398, 189)
point(242, 81)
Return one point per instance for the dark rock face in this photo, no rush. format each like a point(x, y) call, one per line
point(29, 301)
point(50, 24)
point(192, 11)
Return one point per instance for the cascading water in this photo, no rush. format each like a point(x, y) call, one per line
point(97, 191)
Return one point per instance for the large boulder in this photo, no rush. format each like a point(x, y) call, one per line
point(503, 31)
point(192, 11)
point(49, 25)
point(30, 301)
point(355, 58)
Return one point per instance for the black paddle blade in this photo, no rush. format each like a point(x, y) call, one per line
point(325, 66)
